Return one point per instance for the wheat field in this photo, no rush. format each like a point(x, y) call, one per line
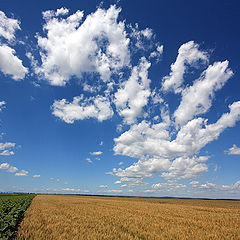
point(85, 217)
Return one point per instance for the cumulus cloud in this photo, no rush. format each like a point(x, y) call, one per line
point(7, 145)
point(186, 168)
point(111, 191)
point(62, 11)
point(188, 55)
point(96, 153)
point(133, 95)
point(124, 185)
point(10, 64)
point(89, 160)
point(139, 37)
point(8, 26)
point(2, 105)
point(194, 183)
point(131, 180)
point(12, 169)
point(171, 157)
point(234, 150)
point(36, 176)
point(6, 153)
point(154, 139)
point(8, 167)
point(71, 189)
point(99, 46)
point(103, 186)
point(5, 148)
point(201, 93)
point(81, 108)
point(22, 173)
point(4, 166)
point(73, 46)
point(208, 185)
point(235, 186)
point(157, 53)
point(143, 168)
point(170, 185)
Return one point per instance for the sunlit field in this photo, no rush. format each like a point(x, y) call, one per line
point(83, 217)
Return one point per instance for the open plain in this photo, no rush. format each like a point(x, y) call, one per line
point(87, 217)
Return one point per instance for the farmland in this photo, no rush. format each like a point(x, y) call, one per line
point(12, 209)
point(85, 217)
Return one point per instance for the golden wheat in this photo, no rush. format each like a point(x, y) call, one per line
point(106, 218)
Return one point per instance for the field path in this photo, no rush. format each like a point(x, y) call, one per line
point(67, 217)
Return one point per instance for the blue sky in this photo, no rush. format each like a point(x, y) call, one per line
point(117, 98)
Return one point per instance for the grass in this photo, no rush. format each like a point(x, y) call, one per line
point(82, 217)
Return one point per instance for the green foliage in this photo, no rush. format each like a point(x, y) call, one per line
point(12, 209)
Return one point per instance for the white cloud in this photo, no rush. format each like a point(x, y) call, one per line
point(133, 95)
point(190, 168)
point(148, 191)
point(196, 133)
point(2, 105)
point(36, 176)
point(188, 54)
point(12, 169)
point(194, 183)
point(136, 180)
point(89, 160)
point(4, 166)
point(234, 150)
point(11, 64)
point(147, 32)
point(96, 153)
point(91, 89)
point(143, 168)
point(103, 186)
point(157, 53)
point(208, 185)
point(71, 189)
point(235, 186)
point(216, 168)
point(140, 38)
point(72, 46)
point(5, 148)
point(5, 145)
point(8, 26)
point(170, 185)
point(62, 11)
point(101, 143)
point(197, 99)
point(22, 173)
point(111, 191)
point(94, 107)
point(120, 163)
point(172, 158)
point(6, 153)
point(8, 167)
point(143, 139)
point(160, 49)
